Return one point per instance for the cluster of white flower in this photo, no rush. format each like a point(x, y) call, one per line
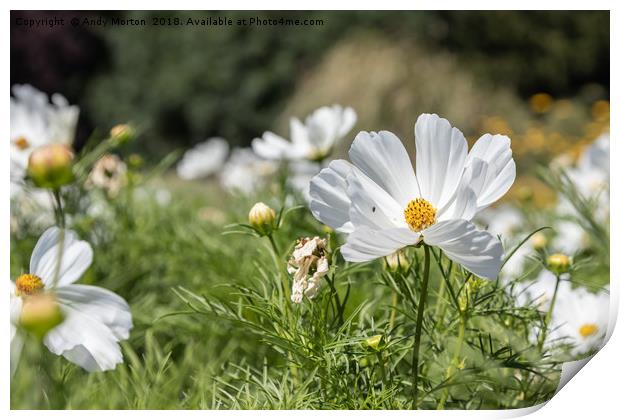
point(247, 169)
point(82, 323)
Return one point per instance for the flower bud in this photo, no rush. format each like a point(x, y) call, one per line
point(135, 161)
point(51, 166)
point(397, 262)
point(559, 263)
point(539, 241)
point(376, 342)
point(40, 314)
point(122, 133)
point(262, 218)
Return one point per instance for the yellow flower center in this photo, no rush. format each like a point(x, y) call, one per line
point(587, 330)
point(21, 143)
point(28, 284)
point(420, 214)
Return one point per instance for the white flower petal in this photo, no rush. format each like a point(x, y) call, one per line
point(371, 206)
point(102, 304)
point(476, 250)
point(365, 244)
point(349, 118)
point(329, 201)
point(272, 146)
point(17, 341)
point(95, 320)
point(496, 152)
point(464, 206)
point(441, 151)
point(203, 159)
point(77, 256)
point(383, 158)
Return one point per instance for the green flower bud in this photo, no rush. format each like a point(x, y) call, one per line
point(376, 342)
point(397, 262)
point(40, 314)
point(539, 240)
point(51, 166)
point(559, 263)
point(122, 133)
point(262, 218)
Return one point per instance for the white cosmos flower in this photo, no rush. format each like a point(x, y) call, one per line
point(539, 292)
point(95, 319)
point(570, 237)
point(580, 318)
point(590, 176)
point(314, 139)
point(245, 171)
point(203, 159)
point(36, 122)
point(383, 205)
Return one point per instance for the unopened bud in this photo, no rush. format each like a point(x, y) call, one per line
point(539, 240)
point(262, 218)
point(397, 262)
point(559, 263)
point(122, 133)
point(135, 161)
point(376, 342)
point(51, 166)
point(40, 314)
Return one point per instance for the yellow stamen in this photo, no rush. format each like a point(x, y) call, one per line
point(21, 143)
point(28, 284)
point(587, 330)
point(420, 214)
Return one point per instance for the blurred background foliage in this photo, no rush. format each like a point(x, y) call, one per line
point(481, 70)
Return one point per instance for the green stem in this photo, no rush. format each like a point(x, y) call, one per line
point(288, 308)
point(543, 334)
point(454, 363)
point(59, 210)
point(393, 312)
point(418, 327)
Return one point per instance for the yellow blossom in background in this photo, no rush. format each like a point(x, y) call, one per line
point(600, 111)
point(541, 102)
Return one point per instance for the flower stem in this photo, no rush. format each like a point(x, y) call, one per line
point(454, 362)
point(393, 311)
point(543, 334)
point(60, 214)
point(418, 327)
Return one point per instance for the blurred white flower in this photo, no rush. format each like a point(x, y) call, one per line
point(312, 140)
point(109, 173)
point(245, 171)
point(580, 318)
point(591, 178)
point(300, 175)
point(539, 292)
point(309, 265)
point(203, 159)
point(570, 237)
point(384, 205)
point(36, 122)
point(95, 319)
point(505, 220)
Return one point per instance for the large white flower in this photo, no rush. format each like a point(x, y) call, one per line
point(203, 159)
point(95, 319)
point(383, 205)
point(580, 318)
point(245, 171)
point(36, 122)
point(312, 140)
